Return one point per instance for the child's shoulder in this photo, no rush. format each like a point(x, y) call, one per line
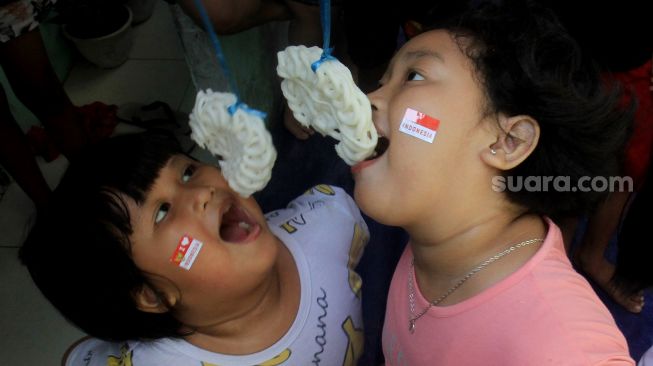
point(322, 212)
point(325, 192)
point(321, 199)
point(92, 351)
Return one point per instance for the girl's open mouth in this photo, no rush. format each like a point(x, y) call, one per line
point(237, 226)
point(380, 149)
point(382, 144)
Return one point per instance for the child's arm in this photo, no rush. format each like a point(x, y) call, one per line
point(230, 16)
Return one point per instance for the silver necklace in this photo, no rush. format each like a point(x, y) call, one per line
point(412, 318)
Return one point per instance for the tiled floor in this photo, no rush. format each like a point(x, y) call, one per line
point(31, 331)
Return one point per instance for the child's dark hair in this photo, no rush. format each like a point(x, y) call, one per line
point(528, 64)
point(79, 252)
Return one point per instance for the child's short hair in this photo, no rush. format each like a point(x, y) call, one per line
point(79, 251)
point(528, 64)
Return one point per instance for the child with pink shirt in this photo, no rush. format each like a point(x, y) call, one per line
point(493, 125)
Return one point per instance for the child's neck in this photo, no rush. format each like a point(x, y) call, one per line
point(445, 254)
point(265, 324)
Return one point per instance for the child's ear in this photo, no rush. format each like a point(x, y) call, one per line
point(149, 301)
point(516, 140)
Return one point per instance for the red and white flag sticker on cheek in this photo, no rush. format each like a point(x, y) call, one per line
point(420, 125)
point(186, 252)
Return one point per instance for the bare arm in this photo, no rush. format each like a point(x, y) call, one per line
point(233, 16)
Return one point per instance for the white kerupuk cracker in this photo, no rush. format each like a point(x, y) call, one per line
point(328, 100)
point(241, 140)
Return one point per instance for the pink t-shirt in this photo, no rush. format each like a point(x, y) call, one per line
point(543, 314)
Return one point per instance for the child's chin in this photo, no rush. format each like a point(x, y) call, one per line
point(365, 201)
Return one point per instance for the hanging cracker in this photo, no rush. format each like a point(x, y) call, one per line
point(240, 139)
point(328, 101)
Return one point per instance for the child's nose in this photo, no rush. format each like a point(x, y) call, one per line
point(202, 196)
point(376, 99)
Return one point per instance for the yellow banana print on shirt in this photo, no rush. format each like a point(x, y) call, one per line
point(125, 358)
point(279, 359)
point(358, 241)
point(325, 189)
point(356, 342)
point(322, 188)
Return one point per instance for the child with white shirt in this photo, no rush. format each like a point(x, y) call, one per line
point(152, 254)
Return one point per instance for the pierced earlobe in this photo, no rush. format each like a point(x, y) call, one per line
point(493, 152)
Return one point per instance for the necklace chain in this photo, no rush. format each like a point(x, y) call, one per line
point(412, 318)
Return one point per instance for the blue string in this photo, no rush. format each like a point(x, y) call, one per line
point(240, 105)
point(325, 19)
point(223, 63)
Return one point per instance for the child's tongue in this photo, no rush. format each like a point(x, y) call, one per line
point(233, 232)
point(236, 225)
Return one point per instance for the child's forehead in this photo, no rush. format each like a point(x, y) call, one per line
point(176, 160)
point(437, 42)
point(434, 45)
point(174, 164)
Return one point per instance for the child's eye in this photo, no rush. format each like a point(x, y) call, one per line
point(161, 212)
point(188, 173)
point(414, 76)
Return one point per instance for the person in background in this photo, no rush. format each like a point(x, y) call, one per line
point(66, 128)
point(617, 36)
point(26, 65)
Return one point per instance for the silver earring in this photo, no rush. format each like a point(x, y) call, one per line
point(493, 152)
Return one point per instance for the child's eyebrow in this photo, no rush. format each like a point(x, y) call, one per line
point(176, 161)
point(413, 55)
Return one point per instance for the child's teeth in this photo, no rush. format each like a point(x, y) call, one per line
point(244, 225)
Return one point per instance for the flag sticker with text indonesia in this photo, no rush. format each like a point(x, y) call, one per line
point(420, 125)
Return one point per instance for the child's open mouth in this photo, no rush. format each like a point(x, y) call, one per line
point(380, 149)
point(237, 226)
point(382, 144)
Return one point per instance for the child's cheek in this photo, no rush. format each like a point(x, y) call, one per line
point(419, 125)
point(186, 252)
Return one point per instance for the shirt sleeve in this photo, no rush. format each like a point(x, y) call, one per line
point(96, 352)
point(647, 358)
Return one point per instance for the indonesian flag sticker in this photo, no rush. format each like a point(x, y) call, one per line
point(420, 125)
point(186, 252)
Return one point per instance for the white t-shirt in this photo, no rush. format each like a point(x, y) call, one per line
point(325, 233)
point(647, 358)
